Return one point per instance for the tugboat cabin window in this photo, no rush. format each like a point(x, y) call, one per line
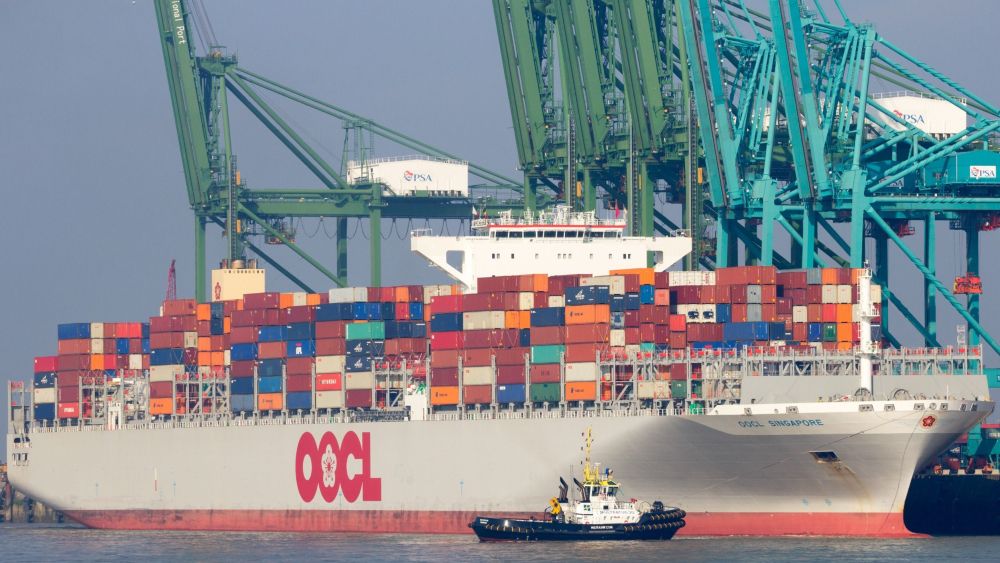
point(502, 234)
point(515, 234)
point(550, 234)
point(825, 457)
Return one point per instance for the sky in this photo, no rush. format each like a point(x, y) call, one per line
point(94, 197)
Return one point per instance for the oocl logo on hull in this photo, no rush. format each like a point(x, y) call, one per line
point(323, 467)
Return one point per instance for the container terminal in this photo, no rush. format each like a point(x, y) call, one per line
point(563, 314)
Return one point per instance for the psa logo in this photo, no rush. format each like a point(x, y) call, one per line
point(415, 177)
point(911, 118)
point(323, 467)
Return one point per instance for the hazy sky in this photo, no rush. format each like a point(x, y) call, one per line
point(94, 197)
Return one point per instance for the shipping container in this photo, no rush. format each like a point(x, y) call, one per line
point(270, 401)
point(544, 392)
point(330, 399)
point(581, 391)
point(551, 354)
point(477, 394)
point(510, 393)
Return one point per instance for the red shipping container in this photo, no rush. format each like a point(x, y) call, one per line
point(298, 383)
point(661, 280)
point(829, 313)
point(329, 381)
point(161, 389)
point(647, 333)
point(511, 356)
point(204, 328)
point(178, 307)
point(271, 350)
point(331, 347)
point(73, 346)
point(68, 394)
point(800, 332)
point(678, 372)
point(69, 410)
point(272, 317)
point(769, 313)
point(159, 324)
point(678, 340)
point(447, 304)
point(69, 378)
point(331, 329)
point(477, 357)
point(299, 366)
point(496, 284)
point(477, 394)
point(184, 324)
point(722, 294)
point(298, 314)
point(784, 306)
point(578, 334)
point(632, 335)
point(444, 358)
point(737, 294)
point(708, 294)
point(654, 314)
point(544, 373)
point(268, 300)
point(405, 346)
point(678, 323)
point(358, 398)
point(73, 363)
point(546, 335)
point(510, 375)
point(402, 311)
point(160, 340)
point(738, 313)
point(245, 318)
point(582, 352)
point(447, 340)
point(632, 319)
point(387, 294)
point(814, 293)
point(46, 363)
point(242, 368)
point(446, 377)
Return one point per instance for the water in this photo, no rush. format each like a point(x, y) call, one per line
point(62, 543)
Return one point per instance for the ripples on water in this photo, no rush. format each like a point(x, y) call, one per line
point(41, 543)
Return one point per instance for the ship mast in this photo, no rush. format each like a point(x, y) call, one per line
point(866, 347)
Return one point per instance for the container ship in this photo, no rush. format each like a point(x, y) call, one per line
point(757, 401)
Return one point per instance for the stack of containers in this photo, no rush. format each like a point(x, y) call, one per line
point(173, 359)
point(44, 390)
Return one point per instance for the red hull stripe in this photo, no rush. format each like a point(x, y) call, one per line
point(452, 522)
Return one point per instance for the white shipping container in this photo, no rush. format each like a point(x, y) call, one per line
point(330, 364)
point(483, 320)
point(697, 313)
point(855, 313)
point(829, 294)
point(439, 290)
point(876, 293)
point(617, 338)
point(616, 284)
point(582, 371)
point(479, 375)
point(359, 380)
point(165, 373)
point(696, 277)
point(299, 299)
point(225, 357)
point(412, 175)
point(97, 330)
point(800, 314)
point(844, 294)
point(557, 301)
point(348, 294)
point(329, 399)
point(40, 396)
point(190, 339)
point(96, 345)
point(525, 301)
point(632, 350)
point(135, 361)
point(654, 390)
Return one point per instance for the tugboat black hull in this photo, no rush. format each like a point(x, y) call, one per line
point(652, 526)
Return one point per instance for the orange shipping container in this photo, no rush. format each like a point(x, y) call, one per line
point(218, 358)
point(161, 406)
point(511, 319)
point(587, 314)
point(581, 391)
point(227, 324)
point(661, 297)
point(829, 276)
point(313, 299)
point(845, 346)
point(444, 395)
point(204, 343)
point(203, 312)
point(269, 402)
point(646, 275)
point(844, 332)
point(286, 300)
point(97, 361)
point(844, 313)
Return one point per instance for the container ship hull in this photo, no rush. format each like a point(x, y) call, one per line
point(733, 474)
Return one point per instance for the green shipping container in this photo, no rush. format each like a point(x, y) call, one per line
point(678, 389)
point(545, 392)
point(647, 347)
point(550, 354)
point(374, 330)
point(829, 332)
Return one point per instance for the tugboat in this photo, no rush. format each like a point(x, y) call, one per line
point(597, 515)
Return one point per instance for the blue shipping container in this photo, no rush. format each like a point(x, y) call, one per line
point(238, 352)
point(69, 331)
point(301, 400)
point(814, 332)
point(271, 334)
point(646, 294)
point(217, 310)
point(45, 411)
point(359, 311)
point(121, 346)
point(618, 319)
point(632, 302)
point(269, 384)
point(145, 345)
point(524, 337)
point(45, 380)
point(300, 348)
point(216, 326)
point(241, 385)
point(170, 356)
point(334, 312)
point(510, 393)
point(416, 310)
point(548, 316)
point(299, 331)
point(358, 363)
point(242, 403)
point(266, 368)
point(588, 295)
point(753, 331)
point(617, 303)
point(373, 311)
point(446, 322)
point(723, 313)
point(388, 311)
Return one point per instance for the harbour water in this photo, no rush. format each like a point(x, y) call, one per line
point(66, 543)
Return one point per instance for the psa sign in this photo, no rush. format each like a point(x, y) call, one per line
point(911, 118)
point(409, 176)
point(980, 172)
point(323, 467)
